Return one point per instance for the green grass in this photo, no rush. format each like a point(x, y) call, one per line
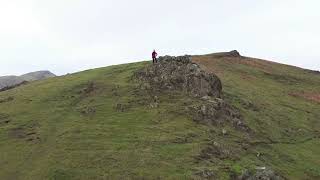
point(289, 125)
point(139, 142)
point(60, 129)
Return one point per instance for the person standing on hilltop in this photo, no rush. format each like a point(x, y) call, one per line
point(154, 56)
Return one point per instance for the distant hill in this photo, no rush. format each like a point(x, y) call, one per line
point(10, 81)
point(220, 116)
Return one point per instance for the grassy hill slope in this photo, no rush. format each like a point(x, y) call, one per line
point(281, 103)
point(98, 124)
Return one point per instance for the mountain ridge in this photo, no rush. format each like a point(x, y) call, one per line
point(11, 80)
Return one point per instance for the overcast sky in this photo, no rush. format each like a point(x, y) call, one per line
point(72, 35)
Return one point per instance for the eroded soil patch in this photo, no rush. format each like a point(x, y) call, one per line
point(315, 97)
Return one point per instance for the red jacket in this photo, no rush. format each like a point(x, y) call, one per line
point(154, 54)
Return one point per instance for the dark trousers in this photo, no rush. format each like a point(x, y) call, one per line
point(154, 60)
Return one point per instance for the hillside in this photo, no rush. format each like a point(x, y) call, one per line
point(120, 122)
point(10, 81)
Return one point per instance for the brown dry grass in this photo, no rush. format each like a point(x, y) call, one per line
point(307, 95)
point(212, 62)
point(208, 63)
point(215, 65)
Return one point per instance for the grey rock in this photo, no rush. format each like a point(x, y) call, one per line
point(224, 132)
point(180, 73)
point(217, 111)
point(233, 54)
point(260, 174)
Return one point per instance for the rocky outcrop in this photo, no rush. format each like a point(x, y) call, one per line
point(180, 73)
point(216, 111)
point(232, 54)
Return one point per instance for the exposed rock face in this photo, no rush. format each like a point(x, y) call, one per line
point(9, 82)
point(179, 73)
point(234, 53)
point(217, 111)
